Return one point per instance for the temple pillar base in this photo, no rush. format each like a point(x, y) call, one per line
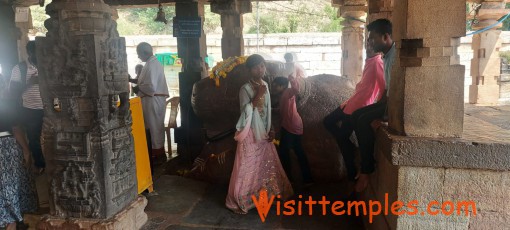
point(132, 217)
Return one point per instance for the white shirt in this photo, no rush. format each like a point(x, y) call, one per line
point(152, 79)
point(31, 96)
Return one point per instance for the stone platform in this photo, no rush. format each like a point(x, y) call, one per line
point(475, 168)
point(485, 143)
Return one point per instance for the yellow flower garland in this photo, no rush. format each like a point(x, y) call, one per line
point(224, 67)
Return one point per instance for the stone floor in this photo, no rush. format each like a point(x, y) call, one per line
point(181, 203)
point(487, 124)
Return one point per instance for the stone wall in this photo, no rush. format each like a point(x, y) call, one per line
point(318, 52)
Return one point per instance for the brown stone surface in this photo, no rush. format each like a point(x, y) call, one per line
point(438, 222)
point(489, 220)
point(132, 217)
point(426, 68)
point(489, 189)
point(427, 87)
point(420, 183)
point(441, 19)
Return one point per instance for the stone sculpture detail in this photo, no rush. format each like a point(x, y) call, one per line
point(86, 134)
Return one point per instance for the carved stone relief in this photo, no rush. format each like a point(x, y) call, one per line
point(87, 141)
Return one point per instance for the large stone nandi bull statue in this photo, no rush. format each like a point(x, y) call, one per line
point(216, 103)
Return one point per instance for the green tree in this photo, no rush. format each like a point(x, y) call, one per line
point(294, 17)
point(334, 24)
point(140, 21)
point(506, 22)
point(212, 22)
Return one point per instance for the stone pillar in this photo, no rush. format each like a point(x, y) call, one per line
point(485, 65)
point(192, 51)
point(352, 38)
point(379, 9)
point(87, 141)
point(8, 37)
point(426, 95)
point(231, 11)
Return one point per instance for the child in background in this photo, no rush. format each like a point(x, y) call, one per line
point(291, 127)
point(134, 81)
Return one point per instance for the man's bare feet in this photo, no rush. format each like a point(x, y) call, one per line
point(361, 183)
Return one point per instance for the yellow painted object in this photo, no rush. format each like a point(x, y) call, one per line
point(143, 167)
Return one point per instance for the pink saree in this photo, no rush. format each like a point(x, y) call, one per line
point(257, 166)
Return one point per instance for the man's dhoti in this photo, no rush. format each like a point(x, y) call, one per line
point(154, 109)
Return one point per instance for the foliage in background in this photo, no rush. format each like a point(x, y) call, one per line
point(212, 22)
point(143, 19)
point(506, 22)
point(275, 17)
point(293, 17)
point(505, 55)
point(140, 21)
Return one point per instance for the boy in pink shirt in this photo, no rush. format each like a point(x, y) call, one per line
point(291, 126)
point(367, 92)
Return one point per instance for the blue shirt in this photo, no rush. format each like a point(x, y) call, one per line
point(388, 59)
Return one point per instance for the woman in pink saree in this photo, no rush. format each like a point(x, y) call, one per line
point(257, 166)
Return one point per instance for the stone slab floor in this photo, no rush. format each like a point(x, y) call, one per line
point(182, 203)
point(487, 124)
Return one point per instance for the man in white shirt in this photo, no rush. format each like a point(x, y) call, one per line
point(153, 90)
point(298, 69)
point(24, 82)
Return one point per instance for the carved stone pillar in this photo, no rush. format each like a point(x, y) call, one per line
point(8, 44)
point(426, 96)
point(352, 37)
point(231, 11)
point(87, 138)
point(485, 65)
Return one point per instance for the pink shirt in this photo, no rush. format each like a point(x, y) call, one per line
point(370, 88)
point(291, 121)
